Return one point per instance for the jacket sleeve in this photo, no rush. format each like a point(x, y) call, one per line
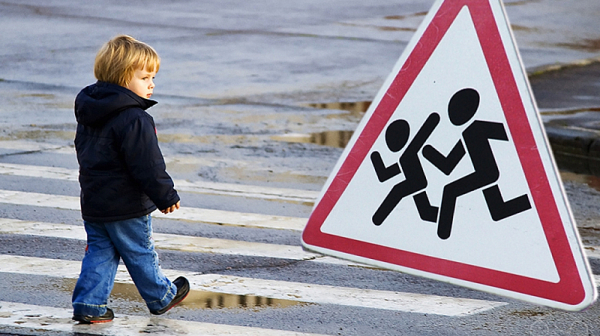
point(145, 163)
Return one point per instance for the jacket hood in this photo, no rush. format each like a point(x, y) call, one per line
point(99, 102)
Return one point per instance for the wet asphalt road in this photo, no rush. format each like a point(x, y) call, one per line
point(235, 77)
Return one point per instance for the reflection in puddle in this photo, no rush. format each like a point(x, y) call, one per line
point(328, 138)
point(38, 95)
point(197, 299)
point(569, 112)
point(356, 108)
point(402, 17)
point(332, 138)
point(388, 28)
point(273, 177)
point(590, 180)
point(591, 45)
point(518, 2)
point(207, 139)
point(40, 134)
point(210, 300)
point(524, 28)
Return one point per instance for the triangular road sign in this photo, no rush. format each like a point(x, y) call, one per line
point(449, 175)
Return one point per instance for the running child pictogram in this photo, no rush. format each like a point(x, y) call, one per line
point(461, 109)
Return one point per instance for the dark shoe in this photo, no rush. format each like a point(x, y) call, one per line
point(89, 319)
point(183, 289)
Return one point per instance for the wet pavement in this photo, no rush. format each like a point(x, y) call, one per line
point(261, 95)
point(271, 61)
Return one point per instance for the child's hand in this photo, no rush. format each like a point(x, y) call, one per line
point(171, 208)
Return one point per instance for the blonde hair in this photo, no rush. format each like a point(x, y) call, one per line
point(118, 59)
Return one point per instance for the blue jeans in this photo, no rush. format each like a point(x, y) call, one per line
point(132, 241)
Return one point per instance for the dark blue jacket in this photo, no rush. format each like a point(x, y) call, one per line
point(122, 172)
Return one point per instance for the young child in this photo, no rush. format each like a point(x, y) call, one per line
point(123, 179)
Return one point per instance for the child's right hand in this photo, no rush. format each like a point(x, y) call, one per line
point(171, 208)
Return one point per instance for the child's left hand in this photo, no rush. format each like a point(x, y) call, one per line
point(171, 208)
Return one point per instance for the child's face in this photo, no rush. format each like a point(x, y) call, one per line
point(142, 83)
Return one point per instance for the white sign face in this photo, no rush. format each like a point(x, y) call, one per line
point(449, 174)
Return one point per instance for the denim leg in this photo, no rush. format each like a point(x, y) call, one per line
point(133, 240)
point(98, 270)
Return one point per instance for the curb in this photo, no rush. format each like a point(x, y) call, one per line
point(576, 150)
point(543, 69)
point(576, 147)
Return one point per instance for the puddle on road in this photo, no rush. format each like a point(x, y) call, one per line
point(272, 177)
point(582, 171)
point(229, 139)
point(589, 180)
point(402, 17)
point(518, 2)
point(197, 299)
point(355, 108)
point(524, 28)
point(338, 138)
point(568, 112)
point(328, 138)
point(37, 95)
point(388, 28)
point(39, 134)
point(590, 45)
point(210, 300)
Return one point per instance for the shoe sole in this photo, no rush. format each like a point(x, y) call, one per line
point(96, 322)
point(176, 303)
point(173, 304)
point(92, 321)
point(87, 319)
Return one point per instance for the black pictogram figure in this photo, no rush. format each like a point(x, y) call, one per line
point(396, 137)
point(476, 136)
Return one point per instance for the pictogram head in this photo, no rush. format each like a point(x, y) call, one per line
point(462, 106)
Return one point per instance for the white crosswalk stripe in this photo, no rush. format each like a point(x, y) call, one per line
point(312, 293)
point(42, 318)
point(185, 213)
point(592, 251)
point(177, 242)
point(189, 244)
point(192, 243)
point(21, 146)
point(205, 187)
point(202, 187)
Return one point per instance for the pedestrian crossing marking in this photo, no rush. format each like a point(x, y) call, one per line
point(165, 241)
point(202, 187)
point(194, 244)
point(592, 251)
point(19, 146)
point(16, 147)
point(276, 289)
point(365, 298)
point(41, 318)
point(209, 216)
point(178, 242)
